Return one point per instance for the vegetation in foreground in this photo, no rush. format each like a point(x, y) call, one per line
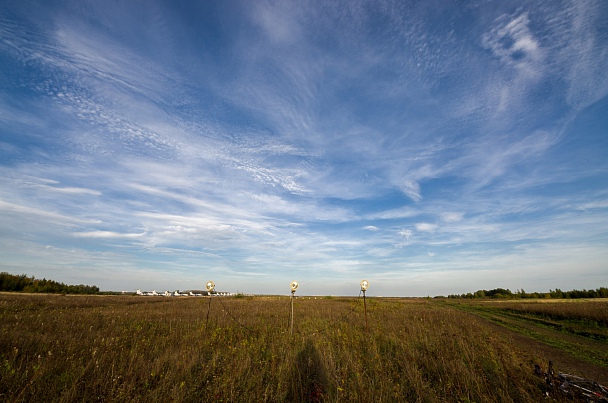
point(575, 326)
point(126, 348)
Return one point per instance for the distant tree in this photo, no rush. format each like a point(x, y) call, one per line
point(480, 294)
point(601, 292)
point(557, 293)
point(499, 293)
point(23, 283)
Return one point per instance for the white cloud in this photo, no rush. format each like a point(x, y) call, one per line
point(451, 216)
point(402, 212)
point(404, 237)
point(514, 44)
point(582, 56)
point(426, 227)
point(410, 188)
point(285, 144)
point(599, 204)
point(278, 20)
point(39, 213)
point(106, 234)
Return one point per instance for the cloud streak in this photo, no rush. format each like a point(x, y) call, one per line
point(298, 140)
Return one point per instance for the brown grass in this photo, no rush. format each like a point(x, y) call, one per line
point(593, 310)
point(85, 348)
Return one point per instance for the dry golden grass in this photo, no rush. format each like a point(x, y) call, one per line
point(593, 310)
point(84, 348)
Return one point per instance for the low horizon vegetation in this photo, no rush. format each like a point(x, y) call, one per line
point(30, 284)
point(501, 293)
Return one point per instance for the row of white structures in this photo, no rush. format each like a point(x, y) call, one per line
point(185, 294)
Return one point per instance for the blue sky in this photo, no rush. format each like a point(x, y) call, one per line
point(430, 147)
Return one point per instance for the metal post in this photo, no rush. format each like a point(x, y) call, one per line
point(365, 307)
point(208, 310)
point(294, 286)
point(291, 332)
point(364, 285)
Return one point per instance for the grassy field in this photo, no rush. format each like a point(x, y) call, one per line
point(579, 327)
point(125, 348)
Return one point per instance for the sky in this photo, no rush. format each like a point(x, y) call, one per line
point(430, 147)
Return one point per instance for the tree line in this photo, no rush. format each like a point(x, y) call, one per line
point(23, 283)
point(601, 292)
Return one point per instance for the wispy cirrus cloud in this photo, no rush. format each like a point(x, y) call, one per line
point(514, 44)
point(274, 139)
point(106, 234)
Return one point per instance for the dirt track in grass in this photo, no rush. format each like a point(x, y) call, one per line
point(541, 352)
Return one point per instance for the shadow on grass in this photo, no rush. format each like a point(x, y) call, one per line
point(309, 380)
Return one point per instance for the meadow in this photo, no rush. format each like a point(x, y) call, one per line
point(128, 348)
point(577, 327)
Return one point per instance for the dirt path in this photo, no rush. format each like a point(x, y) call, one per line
point(542, 353)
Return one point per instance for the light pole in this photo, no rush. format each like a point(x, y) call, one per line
point(364, 286)
point(210, 286)
point(294, 286)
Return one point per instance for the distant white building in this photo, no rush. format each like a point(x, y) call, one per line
point(189, 293)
